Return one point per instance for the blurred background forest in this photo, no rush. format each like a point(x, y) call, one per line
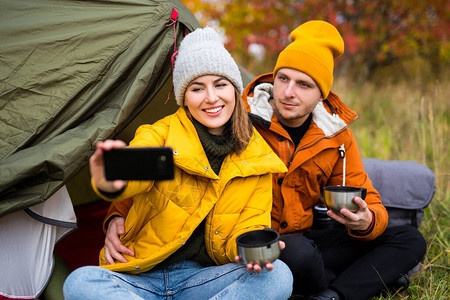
point(394, 73)
point(410, 37)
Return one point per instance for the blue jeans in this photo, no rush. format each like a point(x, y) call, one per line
point(185, 280)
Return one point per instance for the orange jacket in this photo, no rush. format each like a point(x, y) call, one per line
point(315, 163)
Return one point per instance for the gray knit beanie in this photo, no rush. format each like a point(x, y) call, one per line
point(202, 53)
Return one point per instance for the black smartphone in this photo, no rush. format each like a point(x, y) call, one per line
point(147, 163)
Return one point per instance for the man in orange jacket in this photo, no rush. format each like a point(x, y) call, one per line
point(307, 127)
point(354, 256)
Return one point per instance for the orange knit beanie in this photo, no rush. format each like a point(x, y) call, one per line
point(314, 46)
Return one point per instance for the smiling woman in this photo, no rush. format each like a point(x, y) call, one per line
point(179, 236)
point(211, 100)
point(198, 57)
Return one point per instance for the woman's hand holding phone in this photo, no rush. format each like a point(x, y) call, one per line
point(97, 167)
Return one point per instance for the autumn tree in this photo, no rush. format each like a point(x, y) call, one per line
point(377, 34)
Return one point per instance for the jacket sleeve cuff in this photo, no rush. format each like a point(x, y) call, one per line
point(117, 209)
point(106, 195)
point(113, 195)
point(368, 230)
point(107, 220)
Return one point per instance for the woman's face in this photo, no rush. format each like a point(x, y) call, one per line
point(211, 101)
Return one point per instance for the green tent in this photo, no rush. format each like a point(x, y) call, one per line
point(73, 73)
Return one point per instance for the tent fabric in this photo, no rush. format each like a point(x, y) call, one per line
point(27, 246)
point(88, 239)
point(73, 73)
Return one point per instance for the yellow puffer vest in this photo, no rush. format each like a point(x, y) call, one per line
point(165, 213)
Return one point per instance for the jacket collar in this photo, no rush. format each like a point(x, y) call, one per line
point(184, 140)
point(331, 115)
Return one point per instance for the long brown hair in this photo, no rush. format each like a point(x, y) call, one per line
point(241, 126)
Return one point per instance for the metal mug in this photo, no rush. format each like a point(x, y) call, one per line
point(336, 197)
point(258, 246)
point(322, 221)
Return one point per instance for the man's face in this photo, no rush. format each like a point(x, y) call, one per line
point(295, 95)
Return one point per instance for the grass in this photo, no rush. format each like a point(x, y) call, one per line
point(410, 121)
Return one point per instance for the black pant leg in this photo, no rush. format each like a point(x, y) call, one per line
point(305, 263)
point(364, 269)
